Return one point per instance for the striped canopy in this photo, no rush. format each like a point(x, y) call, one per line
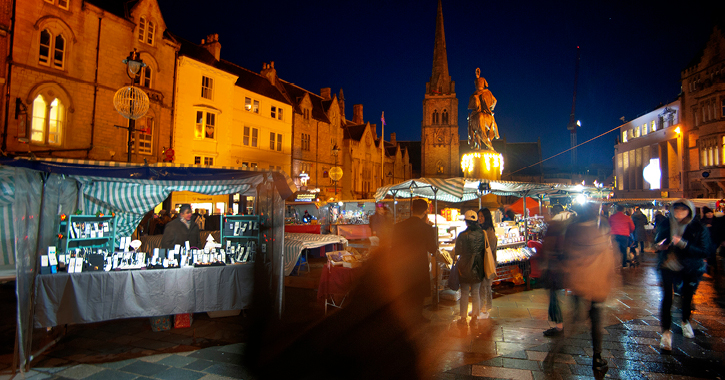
point(131, 190)
point(465, 189)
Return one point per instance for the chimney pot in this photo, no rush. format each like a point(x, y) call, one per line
point(325, 93)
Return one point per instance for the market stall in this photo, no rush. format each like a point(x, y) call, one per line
point(350, 219)
point(513, 253)
point(295, 244)
point(113, 197)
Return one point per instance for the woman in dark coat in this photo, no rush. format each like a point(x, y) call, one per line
point(640, 234)
point(681, 245)
point(470, 246)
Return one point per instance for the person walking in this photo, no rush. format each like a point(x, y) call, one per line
point(682, 244)
point(485, 221)
point(413, 241)
point(640, 234)
point(589, 262)
point(552, 250)
point(621, 226)
point(470, 246)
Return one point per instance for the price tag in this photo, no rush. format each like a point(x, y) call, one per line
point(43, 260)
point(79, 265)
point(72, 265)
point(52, 260)
point(186, 243)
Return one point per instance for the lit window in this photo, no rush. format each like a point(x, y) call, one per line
point(253, 165)
point(624, 136)
point(207, 87)
point(205, 123)
point(245, 165)
point(704, 157)
point(654, 126)
point(248, 104)
point(48, 121)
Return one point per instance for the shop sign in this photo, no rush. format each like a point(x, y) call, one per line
point(305, 197)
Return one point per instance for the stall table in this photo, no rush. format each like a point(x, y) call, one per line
point(336, 281)
point(303, 228)
point(353, 231)
point(295, 244)
point(87, 297)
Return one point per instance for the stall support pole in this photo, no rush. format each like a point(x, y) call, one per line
point(395, 206)
point(526, 235)
point(541, 201)
point(436, 299)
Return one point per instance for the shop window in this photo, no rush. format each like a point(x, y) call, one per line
point(205, 125)
point(48, 120)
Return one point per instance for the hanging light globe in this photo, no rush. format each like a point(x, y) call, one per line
point(131, 102)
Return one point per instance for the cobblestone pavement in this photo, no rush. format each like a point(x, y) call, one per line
point(509, 345)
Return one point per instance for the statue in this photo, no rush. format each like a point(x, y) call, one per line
point(482, 128)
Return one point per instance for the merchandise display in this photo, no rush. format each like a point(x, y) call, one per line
point(86, 243)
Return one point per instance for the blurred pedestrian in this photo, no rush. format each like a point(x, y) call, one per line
point(621, 226)
point(381, 224)
point(551, 251)
point(470, 246)
point(681, 244)
point(590, 262)
point(659, 217)
point(713, 226)
point(485, 221)
point(413, 242)
point(640, 234)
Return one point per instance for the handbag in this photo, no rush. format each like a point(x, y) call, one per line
point(489, 265)
point(672, 263)
point(454, 279)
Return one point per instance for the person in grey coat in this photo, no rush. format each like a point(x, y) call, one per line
point(470, 246)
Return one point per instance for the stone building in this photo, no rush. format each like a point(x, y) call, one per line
point(439, 135)
point(66, 65)
point(703, 120)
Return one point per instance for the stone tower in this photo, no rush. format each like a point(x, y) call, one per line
point(439, 138)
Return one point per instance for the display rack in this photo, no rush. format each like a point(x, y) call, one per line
point(241, 231)
point(86, 231)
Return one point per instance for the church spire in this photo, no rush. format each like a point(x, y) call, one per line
point(440, 80)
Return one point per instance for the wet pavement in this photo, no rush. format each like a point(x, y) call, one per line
point(508, 345)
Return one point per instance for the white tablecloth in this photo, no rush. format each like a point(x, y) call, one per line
point(294, 243)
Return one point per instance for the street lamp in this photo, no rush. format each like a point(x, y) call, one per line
point(131, 102)
point(335, 151)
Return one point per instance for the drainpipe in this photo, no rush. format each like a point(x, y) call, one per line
point(173, 102)
point(9, 77)
point(95, 87)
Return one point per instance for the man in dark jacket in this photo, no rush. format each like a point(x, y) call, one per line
point(413, 242)
point(682, 244)
point(181, 230)
point(640, 234)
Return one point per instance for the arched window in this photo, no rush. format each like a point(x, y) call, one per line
point(58, 47)
point(146, 29)
point(445, 117)
point(142, 29)
point(144, 77)
point(435, 117)
point(48, 120)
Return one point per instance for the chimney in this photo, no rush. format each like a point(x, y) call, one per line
point(341, 101)
point(357, 115)
point(212, 44)
point(325, 93)
point(392, 138)
point(269, 72)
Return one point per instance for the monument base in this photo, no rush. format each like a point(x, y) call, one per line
point(482, 164)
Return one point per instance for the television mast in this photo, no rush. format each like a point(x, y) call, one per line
point(573, 122)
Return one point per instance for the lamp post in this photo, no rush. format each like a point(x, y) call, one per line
point(131, 102)
point(335, 151)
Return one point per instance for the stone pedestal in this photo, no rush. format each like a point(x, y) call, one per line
point(482, 164)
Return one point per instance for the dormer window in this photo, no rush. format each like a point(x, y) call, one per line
point(146, 29)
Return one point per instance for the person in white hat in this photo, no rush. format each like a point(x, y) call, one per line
point(470, 246)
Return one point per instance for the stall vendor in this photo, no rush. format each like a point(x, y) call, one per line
point(181, 230)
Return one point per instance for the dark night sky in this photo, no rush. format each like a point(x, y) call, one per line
point(380, 53)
